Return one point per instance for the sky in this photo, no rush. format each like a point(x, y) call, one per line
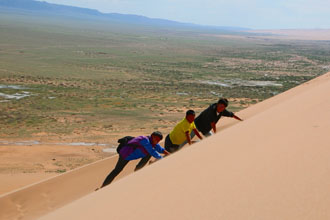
point(255, 14)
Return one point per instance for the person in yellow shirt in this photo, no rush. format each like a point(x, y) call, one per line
point(181, 133)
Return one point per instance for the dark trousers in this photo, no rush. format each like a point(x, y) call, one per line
point(169, 146)
point(142, 162)
point(121, 163)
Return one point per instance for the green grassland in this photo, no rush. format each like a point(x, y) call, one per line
point(91, 80)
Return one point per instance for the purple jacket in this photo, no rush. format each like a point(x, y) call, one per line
point(142, 147)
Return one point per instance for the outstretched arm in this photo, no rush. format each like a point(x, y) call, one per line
point(227, 113)
point(237, 118)
point(165, 152)
point(198, 134)
point(147, 145)
point(161, 150)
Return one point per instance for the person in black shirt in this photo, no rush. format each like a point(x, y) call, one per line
point(207, 120)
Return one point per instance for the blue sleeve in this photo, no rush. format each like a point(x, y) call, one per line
point(159, 149)
point(147, 145)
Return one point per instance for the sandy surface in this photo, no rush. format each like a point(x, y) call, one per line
point(285, 34)
point(38, 199)
point(274, 165)
point(292, 34)
point(24, 165)
point(10, 182)
point(27, 161)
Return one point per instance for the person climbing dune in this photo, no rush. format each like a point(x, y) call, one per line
point(139, 147)
point(180, 135)
point(207, 120)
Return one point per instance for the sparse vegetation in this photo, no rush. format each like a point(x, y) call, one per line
point(92, 81)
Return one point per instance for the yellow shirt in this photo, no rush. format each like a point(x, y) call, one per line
point(178, 134)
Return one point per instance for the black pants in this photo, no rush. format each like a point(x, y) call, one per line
point(169, 146)
point(142, 162)
point(121, 163)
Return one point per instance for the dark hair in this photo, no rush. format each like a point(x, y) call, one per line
point(190, 112)
point(158, 134)
point(223, 101)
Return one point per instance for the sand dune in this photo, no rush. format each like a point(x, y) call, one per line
point(10, 182)
point(274, 165)
point(40, 198)
point(296, 34)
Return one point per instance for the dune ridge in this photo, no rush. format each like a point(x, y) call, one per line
point(262, 168)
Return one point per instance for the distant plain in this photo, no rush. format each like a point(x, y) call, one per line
point(95, 81)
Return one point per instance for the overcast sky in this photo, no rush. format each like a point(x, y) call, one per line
point(257, 14)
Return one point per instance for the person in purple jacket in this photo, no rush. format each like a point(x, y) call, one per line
point(139, 147)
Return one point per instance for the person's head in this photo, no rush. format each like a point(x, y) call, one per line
point(222, 105)
point(190, 116)
point(156, 136)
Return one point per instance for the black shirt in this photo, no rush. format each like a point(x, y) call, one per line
point(203, 121)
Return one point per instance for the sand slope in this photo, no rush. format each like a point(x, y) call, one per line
point(274, 165)
point(10, 182)
point(38, 199)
